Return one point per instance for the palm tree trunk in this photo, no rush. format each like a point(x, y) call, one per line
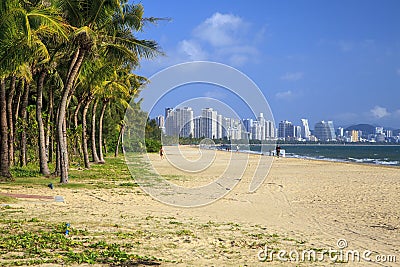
point(61, 131)
point(93, 133)
point(16, 104)
point(4, 162)
point(103, 109)
point(57, 171)
point(84, 128)
point(121, 133)
point(24, 116)
point(78, 142)
point(44, 168)
point(10, 98)
point(49, 135)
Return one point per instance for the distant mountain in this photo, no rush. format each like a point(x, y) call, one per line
point(396, 132)
point(365, 128)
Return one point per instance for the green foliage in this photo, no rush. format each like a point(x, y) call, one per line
point(152, 145)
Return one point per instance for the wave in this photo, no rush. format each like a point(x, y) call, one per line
point(384, 161)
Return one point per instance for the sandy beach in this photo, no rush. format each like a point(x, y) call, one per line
point(301, 205)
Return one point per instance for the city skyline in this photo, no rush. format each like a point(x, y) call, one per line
point(182, 122)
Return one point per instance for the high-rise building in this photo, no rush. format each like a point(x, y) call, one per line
point(325, 131)
point(297, 132)
point(170, 122)
point(305, 129)
point(354, 136)
point(167, 112)
point(209, 123)
point(247, 124)
point(197, 127)
point(285, 130)
point(269, 129)
point(219, 126)
point(256, 131)
point(161, 122)
point(185, 121)
point(340, 132)
point(261, 121)
point(179, 122)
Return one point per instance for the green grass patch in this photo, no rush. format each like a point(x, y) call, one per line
point(46, 243)
point(114, 173)
point(7, 199)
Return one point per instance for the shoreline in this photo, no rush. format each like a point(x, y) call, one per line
point(363, 161)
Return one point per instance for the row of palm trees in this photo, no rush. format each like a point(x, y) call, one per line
point(71, 57)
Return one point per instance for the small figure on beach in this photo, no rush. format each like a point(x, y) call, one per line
point(161, 153)
point(278, 150)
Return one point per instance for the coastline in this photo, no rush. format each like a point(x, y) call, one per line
point(363, 161)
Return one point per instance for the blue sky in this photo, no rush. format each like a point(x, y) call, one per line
point(321, 60)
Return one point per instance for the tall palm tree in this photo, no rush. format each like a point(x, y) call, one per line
point(117, 89)
point(103, 27)
point(22, 27)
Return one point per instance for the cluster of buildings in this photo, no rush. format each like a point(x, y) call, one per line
point(325, 131)
point(380, 135)
point(182, 122)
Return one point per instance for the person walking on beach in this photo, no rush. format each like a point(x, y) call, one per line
point(278, 150)
point(161, 153)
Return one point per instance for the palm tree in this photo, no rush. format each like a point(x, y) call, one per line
point(22, 28)
point(4, 161)
point(102, 27)
point(117, 89)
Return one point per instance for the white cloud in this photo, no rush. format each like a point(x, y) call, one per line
point(214, 94)
point(192, 49)
point(294, 76)
point(284, 95)
point(220, 29)
point(225, 38)
point(379, 112)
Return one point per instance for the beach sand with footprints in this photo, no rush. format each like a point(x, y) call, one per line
point(301, 205)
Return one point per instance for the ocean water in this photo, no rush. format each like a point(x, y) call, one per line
point(372, 154)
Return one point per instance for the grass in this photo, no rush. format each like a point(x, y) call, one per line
point(7, 199)
point(48, 244)
point(114, 173)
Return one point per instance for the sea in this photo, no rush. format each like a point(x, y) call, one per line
point(370, 154)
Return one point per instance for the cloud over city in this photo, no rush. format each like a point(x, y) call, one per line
point(379, 112)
